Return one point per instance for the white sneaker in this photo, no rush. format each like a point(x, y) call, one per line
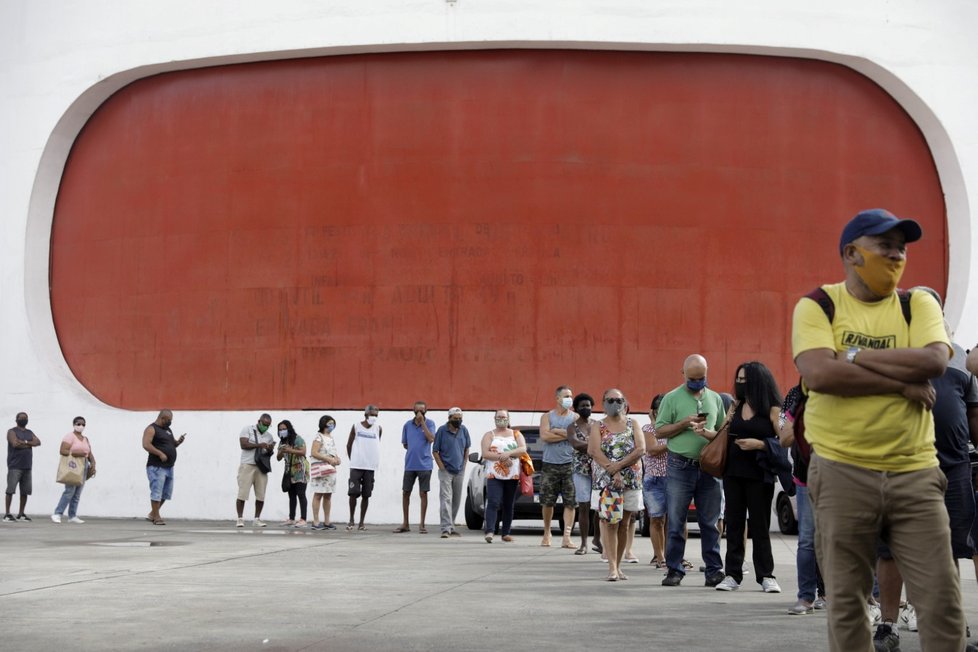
point(56, 518)
point(240, 523)
point(908, 618)
point(259, 523)
point(874, 614)
point(75, 519)
point(770, 585)
point(728, 583)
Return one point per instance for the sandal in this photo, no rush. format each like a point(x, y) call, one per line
point(687, 565)
point(349, 527)
point(159, 522)
point(362, 528)
point(422, 530)
point(401, 530)
point(622, 576)
point(612, 578)
point(581, 551)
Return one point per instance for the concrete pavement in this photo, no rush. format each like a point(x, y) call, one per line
point(113, 584)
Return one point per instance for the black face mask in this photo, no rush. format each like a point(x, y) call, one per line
point(740, 391)
point(166, 424)
point(455, 423)
point(21, 423)
point(585, 412)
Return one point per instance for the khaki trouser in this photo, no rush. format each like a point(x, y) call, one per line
point(856, 506)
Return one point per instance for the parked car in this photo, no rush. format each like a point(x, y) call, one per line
point(527, 507)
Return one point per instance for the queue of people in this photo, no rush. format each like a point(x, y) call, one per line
point(873, 489)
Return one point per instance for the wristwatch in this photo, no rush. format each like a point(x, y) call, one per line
point(851, 354)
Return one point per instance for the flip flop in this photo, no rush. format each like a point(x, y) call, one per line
point(362, 528)
point(612, 578)
point(622, 576)
point(159, 522)
point(581, 551)
point(545, 544)
point(349, 528)
point(402, 530)
point(422, 530)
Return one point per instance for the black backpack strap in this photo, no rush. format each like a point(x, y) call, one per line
point(824, 301)
point(905, 303)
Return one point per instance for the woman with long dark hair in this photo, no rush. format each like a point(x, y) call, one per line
point(293, 448)
point(748, 485)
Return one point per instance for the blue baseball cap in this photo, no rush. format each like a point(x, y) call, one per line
point(876, 221)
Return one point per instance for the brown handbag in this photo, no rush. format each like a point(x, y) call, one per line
point(713, 457)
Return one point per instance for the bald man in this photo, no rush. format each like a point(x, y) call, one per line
point(159, 442)
point(689, 417)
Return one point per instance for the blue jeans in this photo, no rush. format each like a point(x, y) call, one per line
point(160, 483)
point(500, 501)
point(70, 498)
point(807, 569)
point(685, 482)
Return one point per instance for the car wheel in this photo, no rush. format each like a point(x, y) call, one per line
point(473, 520)
point(786, 516)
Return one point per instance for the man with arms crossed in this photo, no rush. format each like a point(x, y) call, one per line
point(557, 476)
point(874, 472)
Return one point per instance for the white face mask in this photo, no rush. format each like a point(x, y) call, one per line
point(566, 402)
point(79, 429)
point(371, 420)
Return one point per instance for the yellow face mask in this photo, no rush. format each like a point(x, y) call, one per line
point(879, 273)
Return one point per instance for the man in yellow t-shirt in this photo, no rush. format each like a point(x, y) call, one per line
point(874, 472)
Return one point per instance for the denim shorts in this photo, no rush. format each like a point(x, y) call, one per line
point(582, 487)
point(160, 482)
point(654, 493)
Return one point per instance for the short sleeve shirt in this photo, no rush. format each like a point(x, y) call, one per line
point(883, 432)
point(417, 457)
point(681, 403)
point(956, 392)
point(251, 434)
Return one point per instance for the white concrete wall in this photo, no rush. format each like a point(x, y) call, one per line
point(59, 60)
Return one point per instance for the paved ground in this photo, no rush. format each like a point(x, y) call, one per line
point(192, 585)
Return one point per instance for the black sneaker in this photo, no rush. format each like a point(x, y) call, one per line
point(672, 578)
point(23, 517)
point(886, 639)
point(714, 579)
point(8, 518)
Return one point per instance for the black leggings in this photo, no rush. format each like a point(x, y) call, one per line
point(297, 490)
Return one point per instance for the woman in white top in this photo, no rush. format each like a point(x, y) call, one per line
point(323, 486)
point(77, 445)
point(501, 450)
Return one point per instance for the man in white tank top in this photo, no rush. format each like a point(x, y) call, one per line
point(363, 448)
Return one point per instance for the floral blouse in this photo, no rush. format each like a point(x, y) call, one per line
point(616, 446)
point(582, 461)
point(298, 464)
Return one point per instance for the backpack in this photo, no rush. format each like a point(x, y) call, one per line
point(797, 397)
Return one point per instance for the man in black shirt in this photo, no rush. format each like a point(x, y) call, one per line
point(159, 442)
point(20, 460)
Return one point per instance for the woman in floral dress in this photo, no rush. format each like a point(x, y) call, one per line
point(323, 486)
point(616, 446)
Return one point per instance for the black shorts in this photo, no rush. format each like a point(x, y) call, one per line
point(423, 478)
point(361, 483)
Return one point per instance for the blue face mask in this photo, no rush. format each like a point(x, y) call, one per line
point(696, 385)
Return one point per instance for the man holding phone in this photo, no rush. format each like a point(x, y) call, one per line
point(689, 417)
point(159, 442)
point(416, 437)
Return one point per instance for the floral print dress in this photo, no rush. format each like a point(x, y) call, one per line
point(325, 484)
point(616, 446)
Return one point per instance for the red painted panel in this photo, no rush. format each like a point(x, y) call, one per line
point(471, 228)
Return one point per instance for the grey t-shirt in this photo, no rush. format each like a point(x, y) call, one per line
point(251, 434)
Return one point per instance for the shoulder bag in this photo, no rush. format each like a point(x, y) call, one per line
point(263, 458)
point(319, 468)
point(713, 457)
